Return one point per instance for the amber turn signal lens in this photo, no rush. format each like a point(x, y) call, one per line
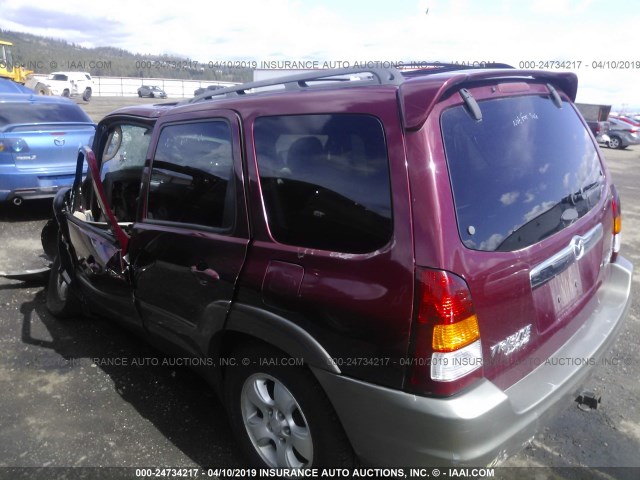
point(447, 338)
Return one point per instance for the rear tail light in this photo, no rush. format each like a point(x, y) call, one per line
point(616, 207)
point(446, 348)
point(14, 145)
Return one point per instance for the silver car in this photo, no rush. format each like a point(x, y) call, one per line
point(622, 134)
point(151, 91)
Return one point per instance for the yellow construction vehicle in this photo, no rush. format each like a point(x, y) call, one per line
point(8, 69)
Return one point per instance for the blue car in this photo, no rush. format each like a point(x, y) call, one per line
point(8, 86)
point(39, 141)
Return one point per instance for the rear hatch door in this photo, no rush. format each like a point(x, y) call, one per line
point(533, 223)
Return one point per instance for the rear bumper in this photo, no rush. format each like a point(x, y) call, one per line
point(485, 424)
point(30, 185)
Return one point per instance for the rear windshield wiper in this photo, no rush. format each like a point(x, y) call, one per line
point(546, 224)
point(585, 193)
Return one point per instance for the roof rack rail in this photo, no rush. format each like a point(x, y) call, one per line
point(301, 81)
point(378, 76)
point(438, 67)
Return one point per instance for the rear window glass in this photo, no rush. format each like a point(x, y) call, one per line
point(524, 172)
point(325, 181)
point(30, 112)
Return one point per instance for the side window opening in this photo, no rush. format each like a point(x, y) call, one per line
point(192, 176)
point(325, 181)
point(123, 159)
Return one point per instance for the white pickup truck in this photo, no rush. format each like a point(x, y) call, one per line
point(66, 84)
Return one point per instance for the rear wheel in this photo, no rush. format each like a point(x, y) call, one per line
point(66, 93)
point(61, 299)
point(615, 142)
point(86, 96)
point(280, 414)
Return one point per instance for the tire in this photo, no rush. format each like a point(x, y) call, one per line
point(139, 93)
point(66, 93)
point(61, 299)
point(42, 89)
point(151, 95)
point(615, 142)
point(49, 238)
point(86, 96)
point(268, 404)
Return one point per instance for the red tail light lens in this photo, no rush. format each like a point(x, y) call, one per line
point(444, 297)
point(447, 353)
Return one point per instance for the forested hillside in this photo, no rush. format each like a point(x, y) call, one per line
point(44, 55)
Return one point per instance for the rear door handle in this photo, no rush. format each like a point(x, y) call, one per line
point(204, 274)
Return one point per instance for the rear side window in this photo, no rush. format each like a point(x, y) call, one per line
point(35, 112)
point(191, 177)
point(325, 181)
point(524, 172)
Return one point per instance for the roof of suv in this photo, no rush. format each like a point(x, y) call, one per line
point(419, 89)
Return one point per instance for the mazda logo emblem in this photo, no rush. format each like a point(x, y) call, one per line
point(58, 141)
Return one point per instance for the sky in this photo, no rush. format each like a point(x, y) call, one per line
point(598, 38)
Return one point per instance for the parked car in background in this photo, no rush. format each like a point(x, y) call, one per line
point(39, 141)
point(623, 133)
point(596, 117)
point(600, 130)
point(631, 121)
point(390, 270)
point(65, 84)
point(151, 91)
point(208, 88)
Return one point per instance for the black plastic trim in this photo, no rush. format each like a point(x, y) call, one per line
point(281, 333)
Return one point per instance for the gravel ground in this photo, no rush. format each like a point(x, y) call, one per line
point(61, 405)
point(98, 107)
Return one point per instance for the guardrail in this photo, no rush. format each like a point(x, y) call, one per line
point(128, 86)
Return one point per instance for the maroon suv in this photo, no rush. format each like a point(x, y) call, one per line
point(400, 269)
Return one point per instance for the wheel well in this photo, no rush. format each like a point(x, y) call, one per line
point(224, 343)
point(222, 346)
point(280, 332)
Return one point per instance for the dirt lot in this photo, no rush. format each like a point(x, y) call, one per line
point(98, 107)
point(61, 405)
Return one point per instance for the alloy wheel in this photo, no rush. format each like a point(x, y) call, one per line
point(275, 423)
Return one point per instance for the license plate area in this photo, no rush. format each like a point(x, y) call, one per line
point(55, 181)
point(555, 297)
point(565, 288)
point(560, 282)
